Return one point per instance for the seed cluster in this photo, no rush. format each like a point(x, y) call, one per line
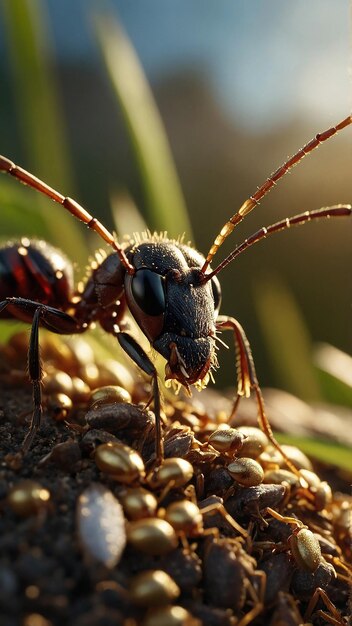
point(221, 533)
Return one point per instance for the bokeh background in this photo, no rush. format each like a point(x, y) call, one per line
point(239, 87)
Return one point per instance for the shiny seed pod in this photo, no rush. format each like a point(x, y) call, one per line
point(297, 457)
point(80, 389)
point(185, 516)
point(270, 458)
point(305, 549)
point(153, 588)
point(59, 405)
point(35, 619)
point(101, 525)
point(107, 395)
point(279, 476)
point(119, 461)
point(57, 381)
point(112, 372)
point(139, 503)
point(89, 372)
point(255, 443)
point(323, 496)
point(170, 616)
point(154, 536)
point(227, 440)
point(177, 470)
point(28, 498)
point(312, 479)
point(246, 472)
point(81, 351)
point(342, 510)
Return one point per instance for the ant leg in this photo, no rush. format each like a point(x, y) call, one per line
point(247, 379)
point(35, 374)
point(218, 507)
point(334, 618)
point(235, 405)
point(137, 354)
point(56, 321)
point(257, 598)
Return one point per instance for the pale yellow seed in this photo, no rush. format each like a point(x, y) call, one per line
point(153, 536)
point(28, 498)
point(246, 472)
point(298, 458)
point(108, 394)
point(57, 382)
point(175, 470)
point(119, 461)
point(225, 440)
point(312, 479)
point(306, 549)
point(139, 503)
point(170, 616)
point(323, 496)
point(255, 443)
point(184, 515)
point(153, 588)
point(59, 404)
point(279, 476)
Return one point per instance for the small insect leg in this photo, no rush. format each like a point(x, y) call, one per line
point(137, 354)
point(56, 321)
point(247, 380)
point(335, 616)
point(35, 374)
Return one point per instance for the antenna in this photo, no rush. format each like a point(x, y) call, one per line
point(252, 201)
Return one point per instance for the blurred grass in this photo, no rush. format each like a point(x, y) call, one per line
point(166, 209)
point(325, 451)
point(334, 371)
point(286, 338)
point(41, 125)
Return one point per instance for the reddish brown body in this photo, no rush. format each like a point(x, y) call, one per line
point(37, 271)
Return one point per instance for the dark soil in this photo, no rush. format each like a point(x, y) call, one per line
point(47, 578)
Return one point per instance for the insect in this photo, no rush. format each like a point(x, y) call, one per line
point(167, 286)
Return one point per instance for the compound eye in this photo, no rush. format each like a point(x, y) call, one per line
point(216, 293)
point(148, 291)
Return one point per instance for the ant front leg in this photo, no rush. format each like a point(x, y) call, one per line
point(137, 354)
point(54, 320)
point(247, 380)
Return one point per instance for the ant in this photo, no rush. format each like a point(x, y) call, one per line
point(167, 286)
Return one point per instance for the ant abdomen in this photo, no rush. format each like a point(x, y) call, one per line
point(35, 270)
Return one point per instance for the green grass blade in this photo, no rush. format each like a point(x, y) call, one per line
point(324, 451)
point(127, 217)
point(286, 338)
point(41, 127)
point(165, 204)
point(17, 216)
point(334, 370)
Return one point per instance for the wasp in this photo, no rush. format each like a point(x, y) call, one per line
point(168, 287)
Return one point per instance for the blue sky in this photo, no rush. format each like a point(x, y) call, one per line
point(266, 60)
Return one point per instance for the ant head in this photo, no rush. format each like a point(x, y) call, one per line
point(174, 307)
